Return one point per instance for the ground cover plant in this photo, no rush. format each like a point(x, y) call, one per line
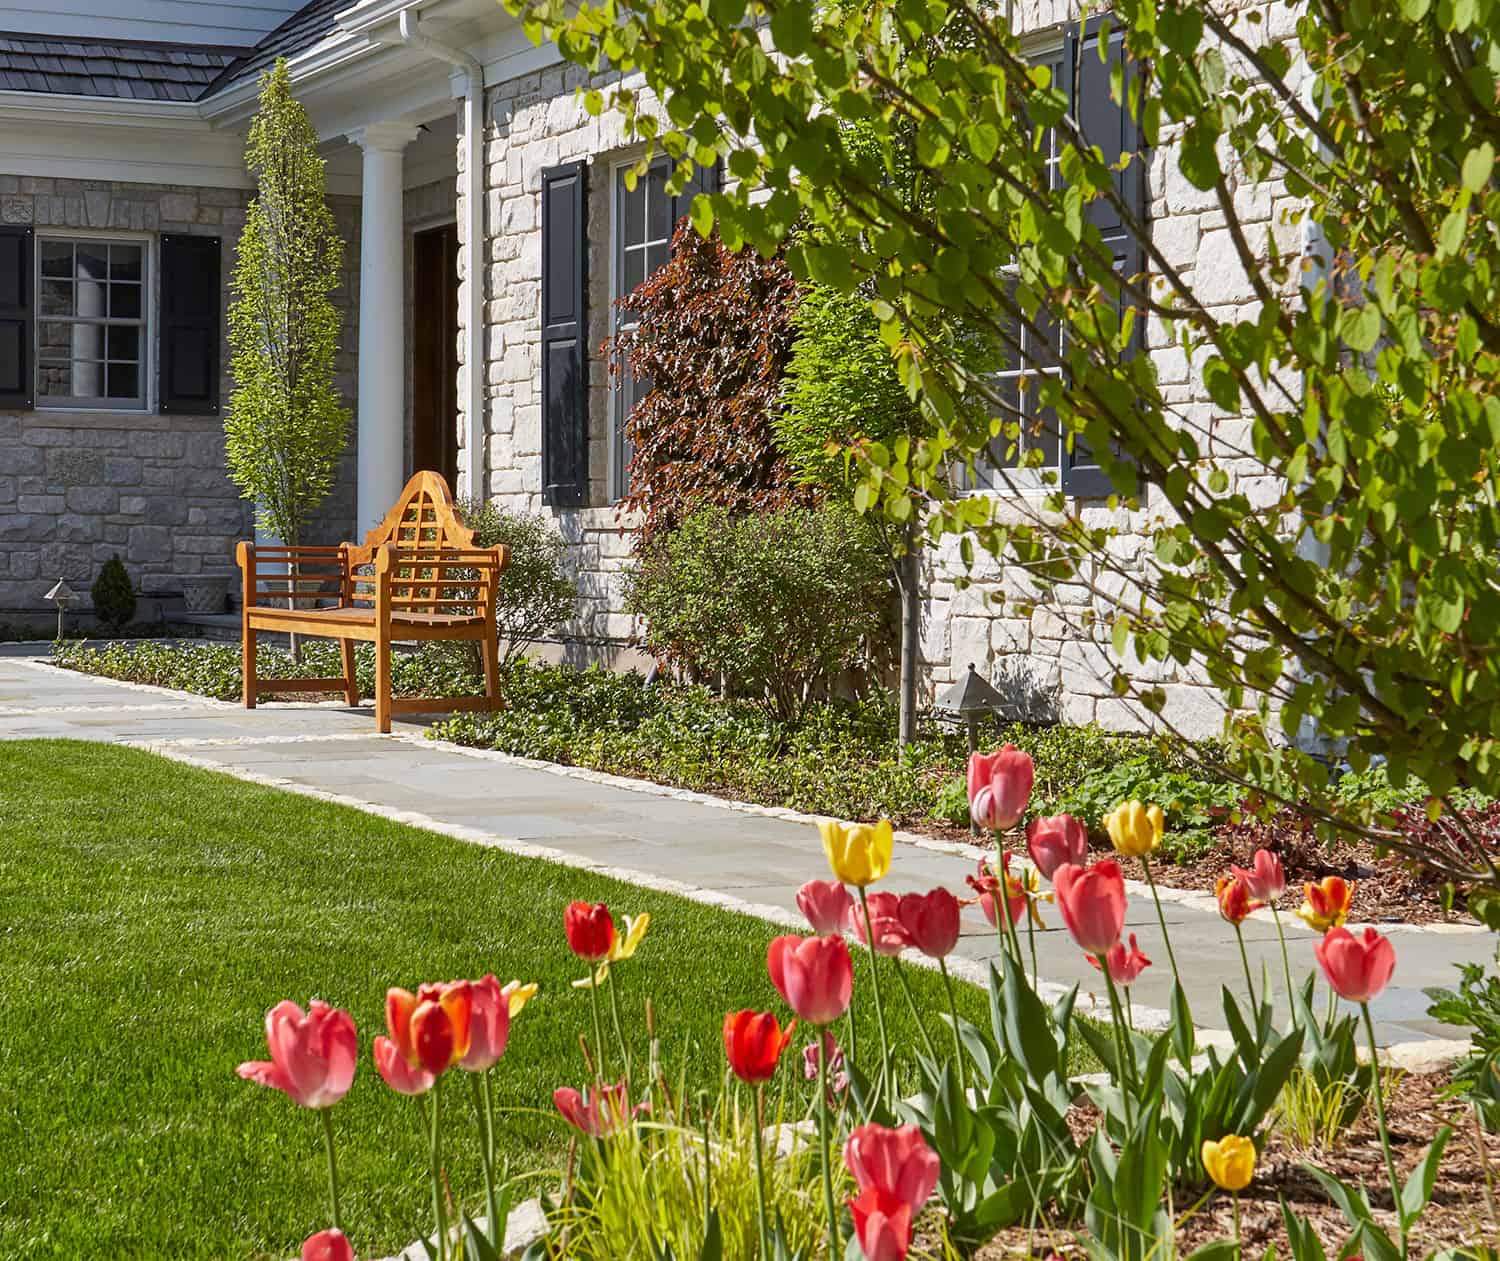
point(154, 912)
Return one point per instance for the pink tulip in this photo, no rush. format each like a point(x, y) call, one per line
point(987, 885)
point(489, 1025)
point(598, 1113)
point(814, 974)
point(885, 923)
point(312, 1056)
point(1124, 965)
point(826, 904)
point(882, 1223)
point(1357, 968)
point(1008, 775)
point(897, 1162)
point(1053, 840)
point(1092, 902)
point(1266, 878)
point(400, 1076)
point(327, 1245)
point(838, 1080)
point(931, 921)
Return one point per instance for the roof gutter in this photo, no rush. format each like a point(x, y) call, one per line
point(473, 484)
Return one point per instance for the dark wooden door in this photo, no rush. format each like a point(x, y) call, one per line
point(435, 351)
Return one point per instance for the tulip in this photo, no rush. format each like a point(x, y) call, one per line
point(1230, 1162)
point(312, 1055)
point(1235, 902)
point(1356, 968)
point(826, 904)
point(431, 1027)
point(858, 853)
point(896, 1162)
point(882, 1224)
point(518, 995)
point(1124, 965)
point(987, 885)
point(590, 931)
point(754, 1041)
point(828, 1046)
point(1266, 877)
point(1327, 904)
point(489, 1025)
point(1000, 787)
point(1135, 830)
point(327, 1245)
point(397, 1073)
point(599, 1112)
point(930, 921)
point(1092, 902)
point(1053, 840)
point(890, 936)
point(814, 974)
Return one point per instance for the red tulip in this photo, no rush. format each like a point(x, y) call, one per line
point(1235, 902)
point(312, 1056)
point(895, 1162)
point(931, 921)
point(1124, 965)
point(327, 1245)
point(826, 904)
point(489, 1025)
point(599, 1112)
point(590, 931)
point(1053, 840)
point(431, 1028)
point(754, 1041)
point(1092, 902)
point(987, 885)
point(397, 1073)
point(1357, 968)
point(885, 923)
point(814, 974)
point(1327, 903)
point(1266, 878)
point(1008, 775)
point(883, 1225)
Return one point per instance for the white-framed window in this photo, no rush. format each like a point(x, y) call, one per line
point(93, 301)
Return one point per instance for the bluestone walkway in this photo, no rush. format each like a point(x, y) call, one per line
point(744, 857)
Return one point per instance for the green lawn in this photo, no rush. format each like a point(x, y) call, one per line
point(150, 913)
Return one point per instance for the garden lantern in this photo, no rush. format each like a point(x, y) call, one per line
point(968, 700)
point(61, 595)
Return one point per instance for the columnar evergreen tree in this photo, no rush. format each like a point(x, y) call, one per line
point(285, 427)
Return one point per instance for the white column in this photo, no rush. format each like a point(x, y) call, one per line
point(382, 300)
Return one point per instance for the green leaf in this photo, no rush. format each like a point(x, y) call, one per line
point(1360, 328)
point(791, 28)
point(1451, 234)
point(1418, 1189)
point(1478, 164)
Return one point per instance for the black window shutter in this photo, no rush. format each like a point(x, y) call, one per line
point(16, 376)
point(190, 289)
point(565, 386)
point(1108, 125)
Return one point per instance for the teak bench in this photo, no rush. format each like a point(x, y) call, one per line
point(416, 576)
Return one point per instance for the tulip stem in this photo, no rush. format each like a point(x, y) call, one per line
point(1036, 972)
point(1126, 1067)
point(1238, 1247)
point(486, 1155)
point(1286, 962)
point(835, 1244)
point(885, 1044)
point(1385, 1134)
point(1160, 918)
point(760, 1171)
point(439, 1209)
point(916, 1015)
point(333, 1167)
point(614, 1012)
point(1239, 935)
point(598, 1029)
point(958, 1042)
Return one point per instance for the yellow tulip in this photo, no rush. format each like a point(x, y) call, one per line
point(518, 996)
point(1135, 829)
point(1230, 1162)
point(626, 942)
point(858, 853)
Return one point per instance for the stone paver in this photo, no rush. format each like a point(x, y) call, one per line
point(750, 859)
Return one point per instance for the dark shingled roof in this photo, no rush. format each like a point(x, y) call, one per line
point(113, 68)
point(300, 31)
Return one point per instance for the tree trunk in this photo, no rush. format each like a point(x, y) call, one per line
point(910, 581)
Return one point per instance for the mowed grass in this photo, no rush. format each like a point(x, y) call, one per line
point(150, 913)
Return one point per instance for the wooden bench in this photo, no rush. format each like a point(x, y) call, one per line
point(417, 576)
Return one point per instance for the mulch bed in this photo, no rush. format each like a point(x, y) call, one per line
point(1465, 1208)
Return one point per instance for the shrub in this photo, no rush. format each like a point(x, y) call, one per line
point(113, 595)
point(776, 606)
point(535, 594)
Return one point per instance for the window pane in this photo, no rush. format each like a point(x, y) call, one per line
point(125, 302)
point(124, 342)
point(57, 258)
point(632, 212)
point(124, 262)
point(54, 340)
point(659, 207)
point(57, 297)
point(633, 271)
point(124, 380)
point(92, 260)
point(657, 256)
point(54, 378)
point(88, 341)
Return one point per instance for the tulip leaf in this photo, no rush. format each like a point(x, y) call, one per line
point(713, 1240)
point(1418, 1188)
point(1218, 1250)
point(1182, 1026)
point(476, 1246)
point(1302, 1239)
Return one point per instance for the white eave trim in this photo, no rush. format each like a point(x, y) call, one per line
point(104, 111)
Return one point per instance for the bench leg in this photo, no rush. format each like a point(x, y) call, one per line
point(351, 680)
point(247, 664)
point(383, 686)
point(491, 650)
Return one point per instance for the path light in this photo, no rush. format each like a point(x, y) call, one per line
point(61, 595)
point(969, 700)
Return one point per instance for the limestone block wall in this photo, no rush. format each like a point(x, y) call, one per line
point(76, 487)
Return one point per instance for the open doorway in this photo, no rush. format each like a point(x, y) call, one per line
point(435, 351)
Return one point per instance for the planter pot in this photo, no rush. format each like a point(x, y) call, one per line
point(205, 593)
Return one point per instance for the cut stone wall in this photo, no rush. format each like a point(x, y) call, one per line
point(76, 487)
